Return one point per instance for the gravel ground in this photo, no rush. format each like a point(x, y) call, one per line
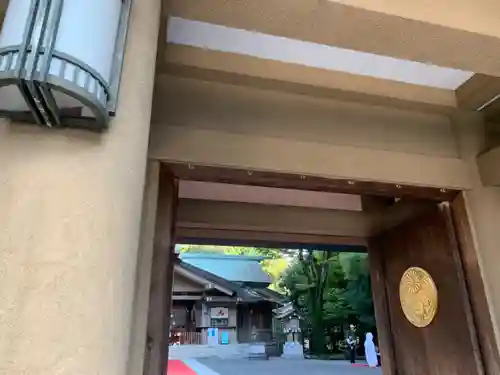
point(282, 366)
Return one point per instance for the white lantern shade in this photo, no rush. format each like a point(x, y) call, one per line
point(87, 32)
point(62, 58)
point(14, 23)
point(11, 35)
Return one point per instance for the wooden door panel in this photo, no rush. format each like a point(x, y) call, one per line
point(475, 284)
point(448, 346)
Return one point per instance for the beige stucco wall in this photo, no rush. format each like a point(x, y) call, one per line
point(473, 16)
point(143, 273)
point(70, 212)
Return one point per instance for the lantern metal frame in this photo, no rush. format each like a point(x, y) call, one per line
point(27, 66)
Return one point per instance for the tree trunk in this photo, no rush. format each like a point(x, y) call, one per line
point(317, 340)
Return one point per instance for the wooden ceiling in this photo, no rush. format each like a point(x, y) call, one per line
point(337, 24)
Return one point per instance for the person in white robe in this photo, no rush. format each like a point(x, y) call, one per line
point(370, 351)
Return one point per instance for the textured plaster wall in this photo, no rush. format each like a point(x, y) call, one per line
point(70, 211)
point(144, 266)
point(475, 16)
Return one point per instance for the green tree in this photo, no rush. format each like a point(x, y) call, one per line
point(275, 268)
point(232, 250)
point(331, 290)
point(311, 282)
point(358, 292)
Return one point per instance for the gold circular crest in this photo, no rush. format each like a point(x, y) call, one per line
point(419, 297)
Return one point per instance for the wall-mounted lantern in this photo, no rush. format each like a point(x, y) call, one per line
point(61, 61)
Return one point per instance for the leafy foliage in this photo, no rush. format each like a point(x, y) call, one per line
point(231, 250)
point(358, 292)
point(275, 268)
point(331, 290)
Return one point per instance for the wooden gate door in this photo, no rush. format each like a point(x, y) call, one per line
point(448, 346)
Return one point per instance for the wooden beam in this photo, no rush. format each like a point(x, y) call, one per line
point(219, 219)
point(293, 181)
point(477, 92)
point(259, 153)
point(225, 237)
point(489, 169)
point(430, 39)
point(258, 73)
point(235, 216)
point(481, 92)
point(264, 195)
point(227, 126)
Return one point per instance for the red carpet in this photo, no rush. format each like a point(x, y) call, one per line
point(179, 368)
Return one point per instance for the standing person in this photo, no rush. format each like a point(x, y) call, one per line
point(370, 351)
point(378, 356)
point(352, 340)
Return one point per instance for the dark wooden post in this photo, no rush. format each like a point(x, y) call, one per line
point(475, 286)
point(162, 275)
point(382, 318)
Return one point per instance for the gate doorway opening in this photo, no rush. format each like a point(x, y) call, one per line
point(295, 303)
point(400, 228)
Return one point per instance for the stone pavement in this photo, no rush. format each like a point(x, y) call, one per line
point(281, 366)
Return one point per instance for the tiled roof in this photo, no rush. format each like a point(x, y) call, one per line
point(237, 268)
point(246, 293)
